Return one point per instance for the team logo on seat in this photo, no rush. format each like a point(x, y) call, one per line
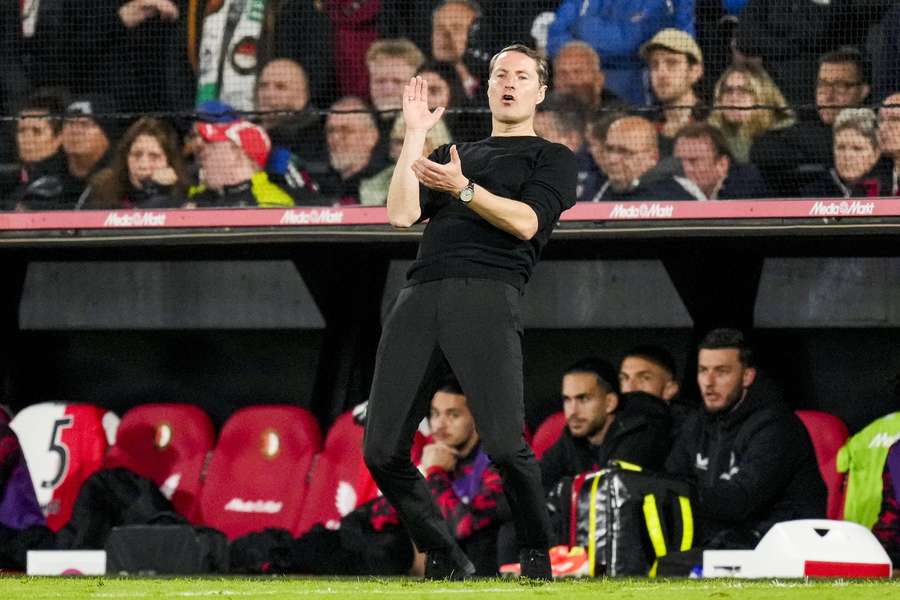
point(270, 443)
point(163, 436)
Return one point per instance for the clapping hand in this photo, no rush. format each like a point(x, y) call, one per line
point(442, 178)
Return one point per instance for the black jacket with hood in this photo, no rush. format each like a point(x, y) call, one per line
point(753, 466)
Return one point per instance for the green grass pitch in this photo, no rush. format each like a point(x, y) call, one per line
point(276, 588)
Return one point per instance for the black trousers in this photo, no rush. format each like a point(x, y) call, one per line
point(475, 325)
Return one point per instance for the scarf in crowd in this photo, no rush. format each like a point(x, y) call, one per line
point(228, 51)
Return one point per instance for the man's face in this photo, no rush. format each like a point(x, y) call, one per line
point(671, 75)
point(854, 155)
point(387, 77)
point(546, 125)
point(450, 32)
point(889, 125)
point(700, 163)
point(281, 86)
point(222, 163)
point(451, 422)
point(577, 73)
point(722, 378)
point(637, 374)
point(351, 137)
point(35, 137)
point(514, 89)
point(81, 136)
point(838, 85)
point(586, 404)
point(627, 155)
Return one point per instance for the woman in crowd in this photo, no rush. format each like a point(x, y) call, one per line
point(444, 90)
point(373, 191)
point(742, 87)
point(147, 171)
point(858, 170)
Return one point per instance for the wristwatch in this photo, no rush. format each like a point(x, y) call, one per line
point(468, 192)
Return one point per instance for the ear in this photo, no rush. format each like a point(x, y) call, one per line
point(696, 72)
point(748, 377)
point(864, 92)
point(612, 402)
point(542, 91)
point(670, 390)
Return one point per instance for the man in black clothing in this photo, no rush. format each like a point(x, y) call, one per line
point(602, 425)
point(750, 458)
point(491, 207)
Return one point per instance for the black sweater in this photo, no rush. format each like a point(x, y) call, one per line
point(459, 243)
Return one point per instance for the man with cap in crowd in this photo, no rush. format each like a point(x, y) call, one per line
point(88, 133)
point(232, 156)
point(675, 63)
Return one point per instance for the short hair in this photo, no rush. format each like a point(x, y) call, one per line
point(658, 356)
point(582, 45)
point(724, 338)
point(599, 126)
point(450, 385)
point(570, 113)
point(696, 131)
point(847, 55)
point(607, 376)
point(861, 120)
point(49, 100)
point(540, 61)
point(476, 8)
point(400, 48)
point(364, 108)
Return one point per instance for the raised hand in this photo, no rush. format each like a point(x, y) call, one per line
point(415, 106)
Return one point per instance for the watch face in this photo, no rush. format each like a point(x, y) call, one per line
point(467, 194)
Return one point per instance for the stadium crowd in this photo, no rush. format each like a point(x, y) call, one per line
point(170, 103)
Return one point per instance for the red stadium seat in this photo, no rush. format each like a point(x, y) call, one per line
point(257, 476)
point(63, 445)
point(340, 480)
point(547, 433)
point(828, 434)
point(168, 444)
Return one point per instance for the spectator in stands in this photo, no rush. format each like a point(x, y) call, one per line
point(595, 138)
point(630, 161)
point(578, 72)
point(391, 63)
point(676, 66)
point(792, 157)
point(456, 39)
point(232, 157)
point(710, 172)
point(561, 119)
point(602, 425)
point(857, 170)
point(741, 88)
point(749, 456)
point(351, 133)
point(617, 29)
point(283, 86)
point(373, 190)
point(889, 138)
point(39, 146)
point(445, 90)
point(147, 171)
point(87, 135)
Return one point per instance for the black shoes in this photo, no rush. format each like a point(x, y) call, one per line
point(535, 564)
point(448, 564)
